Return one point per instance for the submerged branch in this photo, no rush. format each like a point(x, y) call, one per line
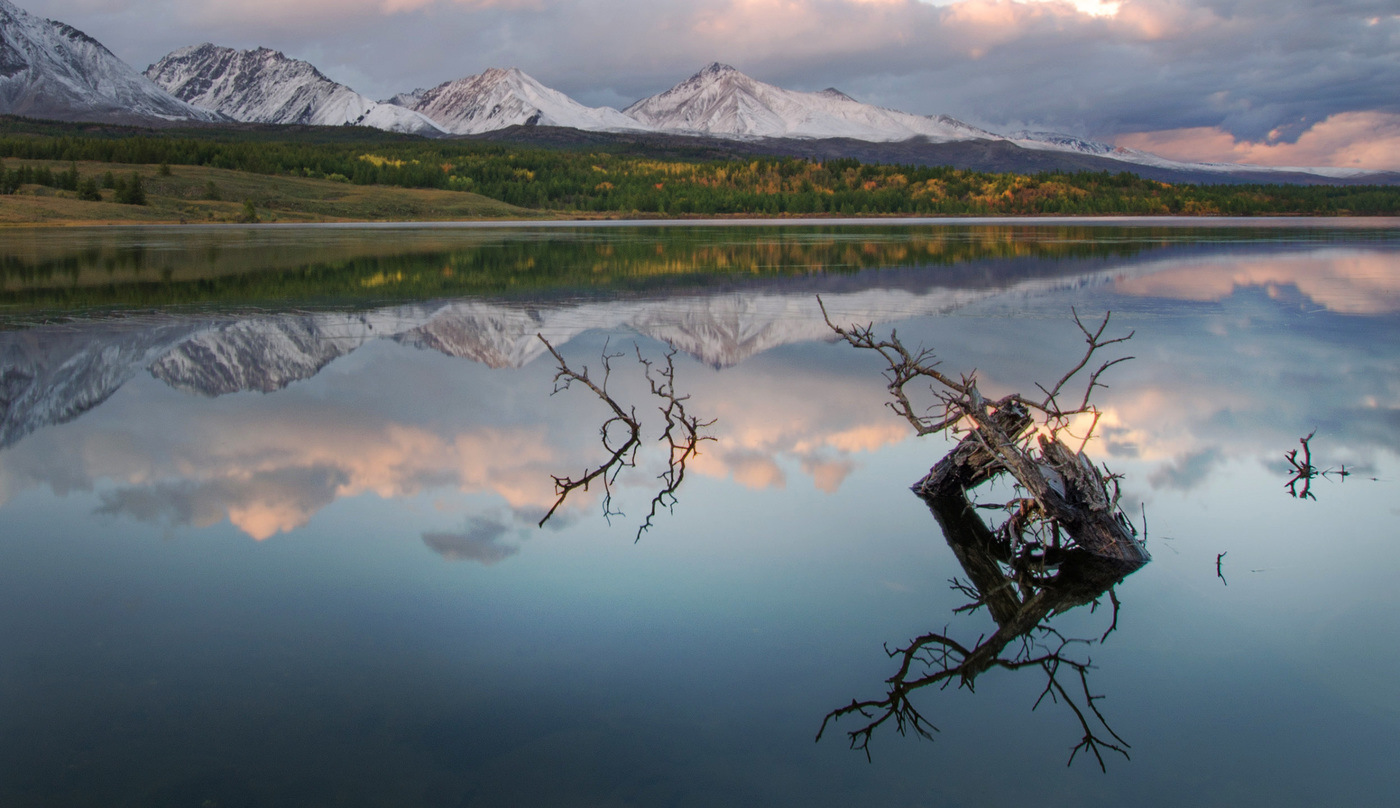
point(682, 435)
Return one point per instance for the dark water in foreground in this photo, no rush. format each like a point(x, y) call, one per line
point(269, 506)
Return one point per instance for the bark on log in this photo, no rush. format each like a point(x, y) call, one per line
point(971, 463)
point(1067, 488)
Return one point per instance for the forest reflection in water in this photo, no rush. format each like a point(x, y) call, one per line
point(50, 271)
point(402, 632)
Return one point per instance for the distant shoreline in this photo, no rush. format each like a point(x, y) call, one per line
point(559, 222)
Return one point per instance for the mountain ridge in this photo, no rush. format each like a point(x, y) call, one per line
point(266, 86)
point(49, 69)
point(501, 97)
point(721, 100)
point(52, 70)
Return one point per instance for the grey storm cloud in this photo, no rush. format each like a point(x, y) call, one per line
point(296, 492)
point(480, 542)
point(1187, 472)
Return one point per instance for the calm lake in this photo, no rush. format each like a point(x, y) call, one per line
point(270, 505)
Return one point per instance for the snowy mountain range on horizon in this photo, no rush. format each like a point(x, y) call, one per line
point(51, 70)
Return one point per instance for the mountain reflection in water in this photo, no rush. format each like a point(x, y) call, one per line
point(403, 633)
point(56, 372)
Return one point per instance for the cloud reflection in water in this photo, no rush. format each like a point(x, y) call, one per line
point(402, 419)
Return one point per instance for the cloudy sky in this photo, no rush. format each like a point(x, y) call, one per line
point(1281, 82)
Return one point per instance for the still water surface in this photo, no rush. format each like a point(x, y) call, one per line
point(269, 509)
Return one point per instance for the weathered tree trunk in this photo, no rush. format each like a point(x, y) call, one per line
point(1067, 488)
point(971, 463)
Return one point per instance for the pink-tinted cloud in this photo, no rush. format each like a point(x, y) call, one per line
point(819, 423)
point(274, 476)
point(1342, 281)
point(1350, 139)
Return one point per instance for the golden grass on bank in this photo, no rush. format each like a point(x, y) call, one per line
point(184, 196)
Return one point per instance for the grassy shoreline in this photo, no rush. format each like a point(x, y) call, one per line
point(206, 195)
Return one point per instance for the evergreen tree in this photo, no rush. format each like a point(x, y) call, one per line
point(87, 190)
point(131, 192)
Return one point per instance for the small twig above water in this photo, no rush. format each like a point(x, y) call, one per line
point(1304, 472)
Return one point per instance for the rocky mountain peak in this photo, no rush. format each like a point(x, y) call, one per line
point(500, 97)
point(52, 70)
point(266, 86)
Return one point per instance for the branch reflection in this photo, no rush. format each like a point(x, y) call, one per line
point(682, 433)
point(1023, 590)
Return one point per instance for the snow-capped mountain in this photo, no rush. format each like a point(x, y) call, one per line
point(1056, 141)
point(496, 99)
point(52, 70)
point(720, 100)
point(265, 86)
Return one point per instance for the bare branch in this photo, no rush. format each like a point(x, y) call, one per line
point(1096, 342)
point(904, 367)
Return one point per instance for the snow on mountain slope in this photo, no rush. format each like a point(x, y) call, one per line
point(499, 98)
point(720, 100)
point(1054, 141)
point(52, 70)
point(265, 86)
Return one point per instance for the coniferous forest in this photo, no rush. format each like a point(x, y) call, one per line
point(589, 181)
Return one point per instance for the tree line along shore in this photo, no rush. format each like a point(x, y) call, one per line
point(72, 173)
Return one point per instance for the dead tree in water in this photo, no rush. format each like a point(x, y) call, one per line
point(1067, 500)
point(1064, 542)
point(1303, 471)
